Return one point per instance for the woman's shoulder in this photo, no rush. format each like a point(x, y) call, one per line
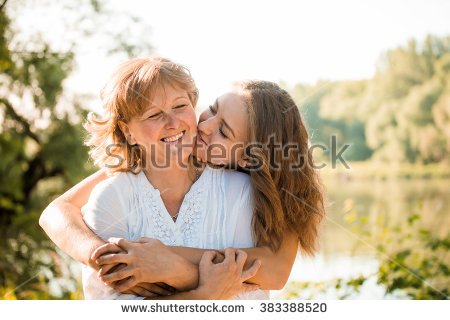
point(232, 185)
point(237, 180)
point(119, 184)
point(231, 177)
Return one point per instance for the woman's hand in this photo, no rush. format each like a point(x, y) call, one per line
point(143, 261)
point(105, 249)
point(146, 260)
point(148, 290)
point(151, 290)
point(226, 279)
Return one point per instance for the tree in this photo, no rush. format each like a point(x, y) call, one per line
point(400, 115)
point(332, 109)
point(409, 119)
point(41, 142)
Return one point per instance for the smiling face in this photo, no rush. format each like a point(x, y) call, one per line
point(166, 129)
point(222, 131)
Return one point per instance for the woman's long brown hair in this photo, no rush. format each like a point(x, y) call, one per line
point(287, 191)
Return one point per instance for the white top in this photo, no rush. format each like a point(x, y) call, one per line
point(216, 213)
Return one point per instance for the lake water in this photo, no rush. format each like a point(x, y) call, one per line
point(345, 253)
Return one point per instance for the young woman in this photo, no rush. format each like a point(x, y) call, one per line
point(287, 197)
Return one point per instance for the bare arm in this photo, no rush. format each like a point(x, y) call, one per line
point(222, 280)
point(63, 222)
point(273, 274)
point(275, 266)
point(154, 263)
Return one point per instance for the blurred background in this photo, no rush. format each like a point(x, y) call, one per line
point(375, 75)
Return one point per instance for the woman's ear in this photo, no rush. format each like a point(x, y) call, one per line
point(127, 133)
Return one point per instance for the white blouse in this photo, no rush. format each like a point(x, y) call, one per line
point(216, 213)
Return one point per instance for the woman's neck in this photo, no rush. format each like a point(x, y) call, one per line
point(174, 178)
point(173, 183)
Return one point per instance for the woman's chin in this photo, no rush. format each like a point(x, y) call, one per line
point(201, 159)
point(199, 154)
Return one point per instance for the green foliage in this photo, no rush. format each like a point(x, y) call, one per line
point(41, 144)
point(418, 266)
point(5, 58)
point(413, 262)
point(348, 129)
point(30, 158)
point(401, 115)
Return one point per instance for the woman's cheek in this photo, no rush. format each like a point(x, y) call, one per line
point(147, 128)
point(219, 152)
point(190, 114)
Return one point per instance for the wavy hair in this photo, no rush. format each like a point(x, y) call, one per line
point(287, 191)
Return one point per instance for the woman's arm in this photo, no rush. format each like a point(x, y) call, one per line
point(273, 274)
point(63, 222)
point(220, 281)
point(275, 266)
point(155, 262)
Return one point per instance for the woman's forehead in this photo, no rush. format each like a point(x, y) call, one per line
point(164, 95)
point(233, 110)
point(168, 92)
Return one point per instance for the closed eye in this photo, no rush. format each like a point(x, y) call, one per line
point(180, 106)
point(155, 116)
point(222, 133)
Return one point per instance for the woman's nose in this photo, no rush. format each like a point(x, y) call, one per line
point(206, 126)
point(172, 121)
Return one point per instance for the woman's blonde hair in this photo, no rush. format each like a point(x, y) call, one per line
point(288, 194)
point(128, 94)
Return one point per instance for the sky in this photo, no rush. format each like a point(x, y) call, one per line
point(290, 41)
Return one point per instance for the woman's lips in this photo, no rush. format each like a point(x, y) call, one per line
point(175, 139)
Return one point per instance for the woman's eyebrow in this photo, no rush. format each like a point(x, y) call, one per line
point(224, 122)
point(180, 97)
point(152, 108)
point(159, 108)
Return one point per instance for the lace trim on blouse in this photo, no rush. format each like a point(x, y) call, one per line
point(185, 230)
